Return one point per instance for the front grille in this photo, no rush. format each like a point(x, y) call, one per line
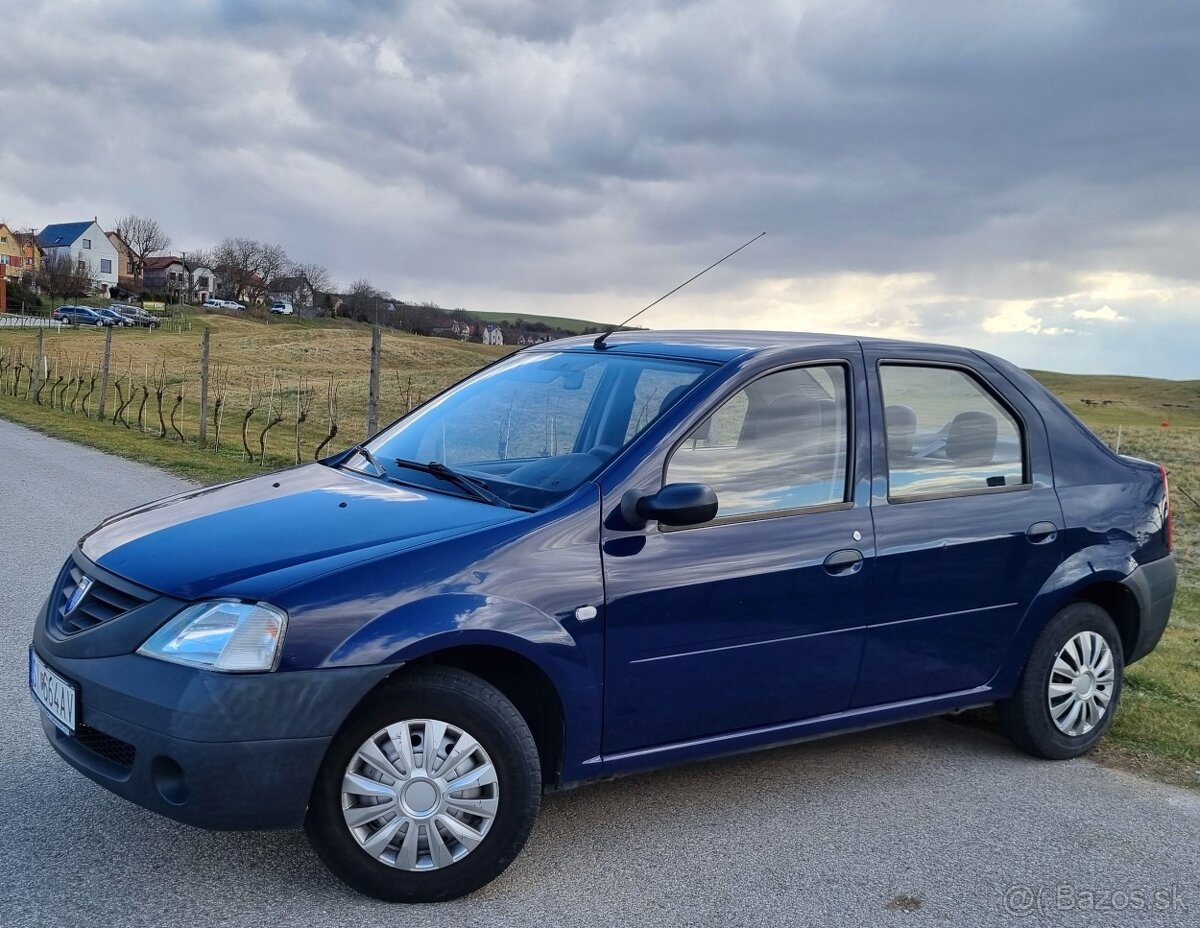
point(111, 749)
point(101, 602)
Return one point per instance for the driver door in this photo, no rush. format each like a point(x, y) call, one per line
point(756, 618)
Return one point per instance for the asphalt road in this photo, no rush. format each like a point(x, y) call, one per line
point(924, 824)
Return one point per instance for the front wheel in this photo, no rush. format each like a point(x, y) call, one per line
point(1070, 687)
point(429, 791)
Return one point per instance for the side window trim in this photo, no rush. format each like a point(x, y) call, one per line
point(722, 398)
point(980, 381)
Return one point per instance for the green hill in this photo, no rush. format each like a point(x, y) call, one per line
point(575, 326)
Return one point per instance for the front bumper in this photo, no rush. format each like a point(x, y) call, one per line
point(215, 750)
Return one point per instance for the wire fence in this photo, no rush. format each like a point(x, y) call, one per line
point(268, 414)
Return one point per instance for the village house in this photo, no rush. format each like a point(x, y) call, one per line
point(30, 249)
point(12, 255)
point(125, 275)
point(492, 335)
point(169, 274)
point(86, 244)
point(293, 290)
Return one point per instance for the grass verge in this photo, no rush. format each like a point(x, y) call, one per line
point(184, 459)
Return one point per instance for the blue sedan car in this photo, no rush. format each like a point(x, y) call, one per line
point(597, 557)
point(80, 315)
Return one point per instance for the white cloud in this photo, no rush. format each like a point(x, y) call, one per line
point(1103, 314)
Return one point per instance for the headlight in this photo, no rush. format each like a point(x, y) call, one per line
point(221, 635)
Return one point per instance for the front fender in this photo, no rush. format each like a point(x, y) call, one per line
point(451, 620)
point(454, 620)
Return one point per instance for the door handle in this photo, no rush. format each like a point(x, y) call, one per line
point(844, 562)
point(1041, 533)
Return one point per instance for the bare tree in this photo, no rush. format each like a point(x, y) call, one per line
point(249, 266)
point(220, 382)
point(59, 376)
point(159, 381)
point(331, 396)
point(144, 238)
point(179, 395)
point(274, 416)
point(304, 401)
point(80, 370)
point(315, 277)
point(362, 302)
point(253, 399)
point(93, 373)
point(60, 276)
point(141, 416)
point(123, 401)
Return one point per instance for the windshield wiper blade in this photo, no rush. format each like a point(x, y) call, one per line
point(472, 485)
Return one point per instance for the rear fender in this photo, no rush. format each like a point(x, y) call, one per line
point(1112, 561)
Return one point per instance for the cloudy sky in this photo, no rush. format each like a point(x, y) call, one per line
point(1014, 175)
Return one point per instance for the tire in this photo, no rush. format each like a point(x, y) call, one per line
point(1028, 716)
point(396, 715)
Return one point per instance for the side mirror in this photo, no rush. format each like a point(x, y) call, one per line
point(675, 504)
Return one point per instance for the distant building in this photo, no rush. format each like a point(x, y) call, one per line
point(492, 335)
point(32, 251)
point(125, 275)
point(12, 254)
point(86, 244)
point(529, 338)
point(291, 290)
point(170, 274)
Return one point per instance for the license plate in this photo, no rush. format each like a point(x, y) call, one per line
point(54, 694)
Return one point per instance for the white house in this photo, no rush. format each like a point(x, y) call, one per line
point(169, 274)
point(492, 335)
point(85, 243)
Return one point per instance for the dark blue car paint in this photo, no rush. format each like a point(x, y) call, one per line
point(708, 639)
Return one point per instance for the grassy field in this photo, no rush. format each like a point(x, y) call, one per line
point(285, 360)
point(1157, 730)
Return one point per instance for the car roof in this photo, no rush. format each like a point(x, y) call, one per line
point(720, 345)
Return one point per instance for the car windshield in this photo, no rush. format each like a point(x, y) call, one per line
point(530, 429)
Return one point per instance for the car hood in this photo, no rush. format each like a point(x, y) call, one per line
point(202, 541)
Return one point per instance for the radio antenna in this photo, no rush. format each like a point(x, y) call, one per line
point(599, 343)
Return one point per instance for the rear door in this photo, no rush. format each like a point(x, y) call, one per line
point(966, 518)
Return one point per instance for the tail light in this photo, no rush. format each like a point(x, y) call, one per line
point(1168, 522)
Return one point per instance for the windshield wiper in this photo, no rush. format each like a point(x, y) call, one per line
point(472, 485)
point(362, 449)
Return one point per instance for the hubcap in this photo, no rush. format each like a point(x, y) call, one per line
point(420, 794)
point(1081, 683)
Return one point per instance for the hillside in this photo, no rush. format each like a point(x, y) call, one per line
point(1112, 400)
point(574, 326)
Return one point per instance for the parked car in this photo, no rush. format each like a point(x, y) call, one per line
point(598, 557)
point(281, 307)
point(135, 315)
point(113, 317)
point(222, 304)
point(80, 315)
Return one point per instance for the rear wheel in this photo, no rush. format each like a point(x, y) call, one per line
point(1070, 687)
point(429, 791)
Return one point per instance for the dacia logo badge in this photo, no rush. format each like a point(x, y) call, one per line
point(77, 596)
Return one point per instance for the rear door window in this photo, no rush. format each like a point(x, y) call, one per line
point(947, 434)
